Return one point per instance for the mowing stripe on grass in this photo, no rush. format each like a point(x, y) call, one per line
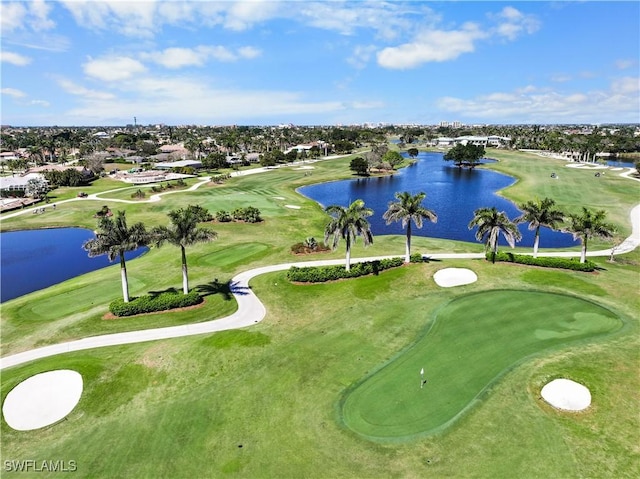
point(474, 340)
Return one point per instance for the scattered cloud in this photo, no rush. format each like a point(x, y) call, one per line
point(113, 68)
point(198, 56)
point(624, 64)
point(43, 103)
point(544, 105)
point(14, 58)
point(560, 78)
point(432, 46)
point(15, 93)
point(512, 23)
point(33, 15)
point(361, 56)
point(86, 93)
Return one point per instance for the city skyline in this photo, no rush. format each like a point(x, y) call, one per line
point(266, 62)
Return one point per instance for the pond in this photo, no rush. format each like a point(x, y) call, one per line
point(35, 259)
point(452, 193)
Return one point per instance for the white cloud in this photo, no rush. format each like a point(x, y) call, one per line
point(43, 103)
point(361, 56)
point(157, 98)
point(113, 68)
point(432, 46)
point(626, 85)
point(177, 57)
point(32, 15)
point(535, 105)
point(14, 58)
point(86, 93)
point(512, 23)
point(12, 15)
point(15, 93)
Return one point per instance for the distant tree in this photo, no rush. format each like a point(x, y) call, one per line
point(393, 158)
point(291, 156)
point(360, 166)
point(409, 209)
point(539, 213)
point(491, 224)
point(413, 152)
point(214, 161)
point(95, 163)
point(465, 155)
point(343, 146)
point(348, 223)
point(36, 188)
point(589, 225)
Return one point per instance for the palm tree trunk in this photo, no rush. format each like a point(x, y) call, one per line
point(536, 242)
point(123, 276)
point(185, 276)
point(583, 253)
point(347, 265)
point(407, 257)
point(494, 251)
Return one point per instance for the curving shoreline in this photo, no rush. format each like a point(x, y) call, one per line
point(250, 309)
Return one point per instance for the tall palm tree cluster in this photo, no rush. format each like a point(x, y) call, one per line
point(114, 238)
point(351, 222)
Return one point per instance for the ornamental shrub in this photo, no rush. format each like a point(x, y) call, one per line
point(152, 303)
point(544, 262)
point(321, 274)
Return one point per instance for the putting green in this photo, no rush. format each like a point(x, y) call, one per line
point(473, 341)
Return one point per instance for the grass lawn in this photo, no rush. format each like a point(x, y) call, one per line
point(266, 401)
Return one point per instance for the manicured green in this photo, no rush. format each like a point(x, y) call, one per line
point(474, 340)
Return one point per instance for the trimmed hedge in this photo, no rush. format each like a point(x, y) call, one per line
point(321, 274)
point(545, 262)
point(152, 303)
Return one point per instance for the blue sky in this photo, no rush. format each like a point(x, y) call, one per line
point(329, 62)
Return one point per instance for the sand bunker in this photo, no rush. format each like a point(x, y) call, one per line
point(566, 395)
point(42, 399)
point(293, 207)
point(279, 197)
point(449, 277)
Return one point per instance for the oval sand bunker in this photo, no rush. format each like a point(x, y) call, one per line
point(567, 395)
point(42, 399)
point(449, 277)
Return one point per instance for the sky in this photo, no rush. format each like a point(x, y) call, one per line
point(114, 62)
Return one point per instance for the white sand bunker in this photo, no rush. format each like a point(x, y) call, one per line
point(450, 277)
point(567, 395)
point(279, 197)
point(293, 207)
point(42, 399)
point(306, 168)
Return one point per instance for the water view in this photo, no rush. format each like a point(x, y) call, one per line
point(36, 259)
point(452, 193)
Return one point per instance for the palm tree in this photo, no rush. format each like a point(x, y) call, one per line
point(348, 223)
point(114, 238)
point(409, 209)
point(490, 224)
point(183, 231)
point(589, 225)
point(539, 213)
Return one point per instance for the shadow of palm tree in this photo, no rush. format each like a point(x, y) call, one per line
point(227, 290)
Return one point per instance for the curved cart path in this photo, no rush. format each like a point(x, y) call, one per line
point(250, 308)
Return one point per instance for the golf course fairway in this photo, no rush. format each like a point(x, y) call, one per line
point(474, 339)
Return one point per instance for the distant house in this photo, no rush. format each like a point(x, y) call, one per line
point(17, 183)
point(9, 155)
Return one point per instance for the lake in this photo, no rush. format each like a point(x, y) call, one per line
point(35, 259)
point(452, 193)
